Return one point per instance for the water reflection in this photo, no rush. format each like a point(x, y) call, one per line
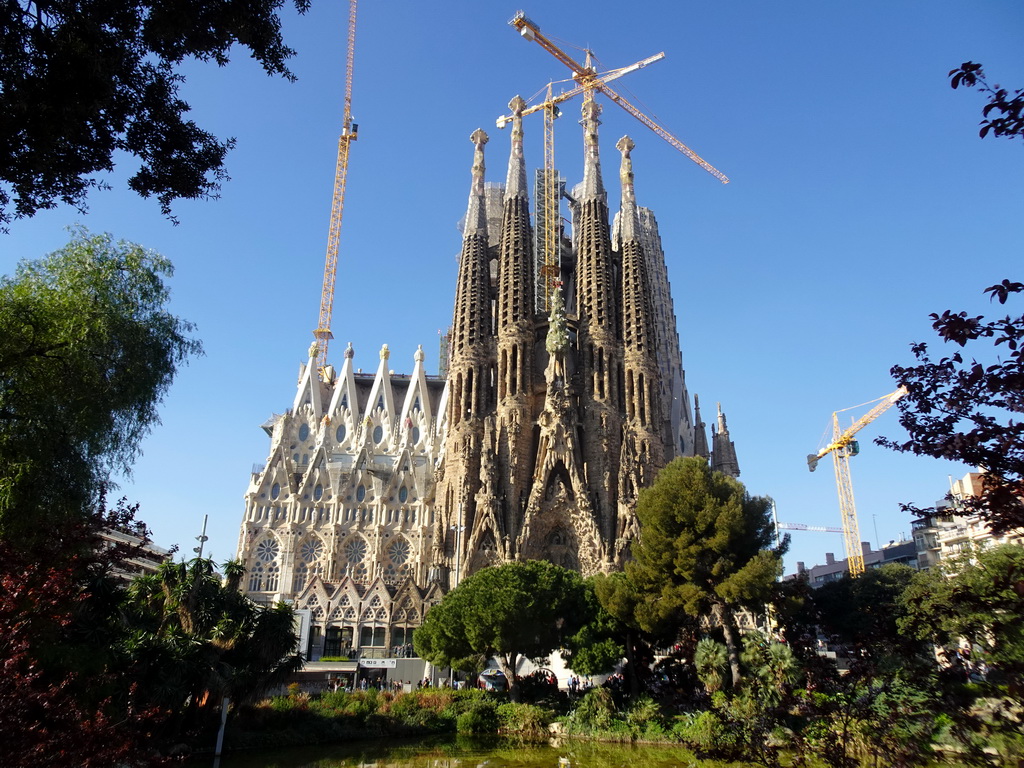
point(469, 752)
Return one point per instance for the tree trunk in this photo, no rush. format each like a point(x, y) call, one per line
point(508, 663)
point(724, 618)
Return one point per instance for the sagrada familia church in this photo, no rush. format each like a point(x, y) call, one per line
point(382, 491)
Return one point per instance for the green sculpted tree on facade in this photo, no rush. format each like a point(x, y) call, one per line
point(509, 612)
point(704, 550)
point(88, 350)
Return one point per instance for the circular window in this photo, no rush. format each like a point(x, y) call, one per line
point(360, 493)
point(415, 435)
point(266, 550)
point(378, 434)
point(303, 432)
point(403, 494)
point(399, 552)
point(311, 550)
point(318, 493)
point(275, 491)
point(339, 433)
point(355, 551)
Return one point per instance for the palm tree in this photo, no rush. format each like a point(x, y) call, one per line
point(197, 639)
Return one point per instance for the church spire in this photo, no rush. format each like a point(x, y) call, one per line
point(515, 325)
point(700, 437)
point(515, 183)
point(592, 186)
point(628, 213)
point(476, 212)
point(515, 258)
point(471, 325)
point(723, 451)
point(645, 418)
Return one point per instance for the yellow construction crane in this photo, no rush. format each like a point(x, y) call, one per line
point(349, 133)
point(587, 81)
point(842, 447)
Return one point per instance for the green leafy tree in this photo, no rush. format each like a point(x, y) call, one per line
point(704, 549)
point(861, 619)
point(979, 599)
point(711, 660)
point(600, 644)
point(84, 82)
point(88, 350)
point(615, 634)
point(510, 611)
point(195, 639)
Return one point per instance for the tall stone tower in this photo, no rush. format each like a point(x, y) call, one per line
point(555, 422)
point(381, 491)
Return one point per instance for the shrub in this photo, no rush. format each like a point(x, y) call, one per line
point(525, 720)
point(594, 713)
point(644, 719)
point(480, 718)
point(706, 733)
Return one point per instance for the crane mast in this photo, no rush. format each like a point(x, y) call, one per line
point(587, 81)
point(349, 133)
point(842, 447)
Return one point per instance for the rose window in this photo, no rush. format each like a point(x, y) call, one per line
point(355, 551)
point(399, 552)
point(267, 550)
point(311, 550)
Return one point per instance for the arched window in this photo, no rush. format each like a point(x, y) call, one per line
point(256, 578)
point(301, 573)
point(273, 577)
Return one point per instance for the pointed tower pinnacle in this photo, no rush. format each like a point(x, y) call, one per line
point(476, 212)
point(515, 183)
point(723, 450)
point(592, 186)
point(700, 437)
point(628, 215)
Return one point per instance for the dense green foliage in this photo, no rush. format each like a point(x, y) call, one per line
point(193, 639)
point(704, 550)
point(975, 602)
point(95, 672)
point(83, 82)
point(88, 350)
point(510, 611)
point(303, 719)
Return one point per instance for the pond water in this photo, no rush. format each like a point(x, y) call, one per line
point(467, 752)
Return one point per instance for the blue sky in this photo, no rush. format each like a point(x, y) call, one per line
point(861, 200)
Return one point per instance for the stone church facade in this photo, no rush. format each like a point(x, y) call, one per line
point(382, 491)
